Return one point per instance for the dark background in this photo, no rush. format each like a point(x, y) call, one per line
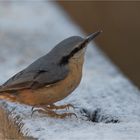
point(120, 22)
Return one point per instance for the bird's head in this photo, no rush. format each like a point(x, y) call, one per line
point(72, 48)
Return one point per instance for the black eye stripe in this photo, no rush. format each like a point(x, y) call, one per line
point(65, 59)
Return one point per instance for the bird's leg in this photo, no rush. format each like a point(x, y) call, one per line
point(51, 113)
point(53, 106)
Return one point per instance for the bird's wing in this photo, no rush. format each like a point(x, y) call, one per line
point(34, 79)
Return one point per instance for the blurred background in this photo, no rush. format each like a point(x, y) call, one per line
point(120, 22)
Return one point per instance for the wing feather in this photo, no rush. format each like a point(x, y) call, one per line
point(34, 79)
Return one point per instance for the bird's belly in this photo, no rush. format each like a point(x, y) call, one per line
point(52, 93)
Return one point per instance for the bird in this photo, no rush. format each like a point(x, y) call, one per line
point(50, 78)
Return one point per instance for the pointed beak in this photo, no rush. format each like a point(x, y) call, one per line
point(92, 36)
point(85, 41)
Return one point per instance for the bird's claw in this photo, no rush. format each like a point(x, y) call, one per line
point(72, 114)
point(37, 110)
point(68, 106)
point(51, 113)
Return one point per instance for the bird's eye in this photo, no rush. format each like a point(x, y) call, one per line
point(65, 59)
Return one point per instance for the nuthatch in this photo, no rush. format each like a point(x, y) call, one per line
point(51, 78)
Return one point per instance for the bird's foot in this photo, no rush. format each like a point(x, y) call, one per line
point(51, 113)
point(68, 106)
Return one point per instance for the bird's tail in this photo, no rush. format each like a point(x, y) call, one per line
point(1, 91)
point(6, 96)
point(2, 95)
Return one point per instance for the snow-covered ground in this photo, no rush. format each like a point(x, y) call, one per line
point(107, 102)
